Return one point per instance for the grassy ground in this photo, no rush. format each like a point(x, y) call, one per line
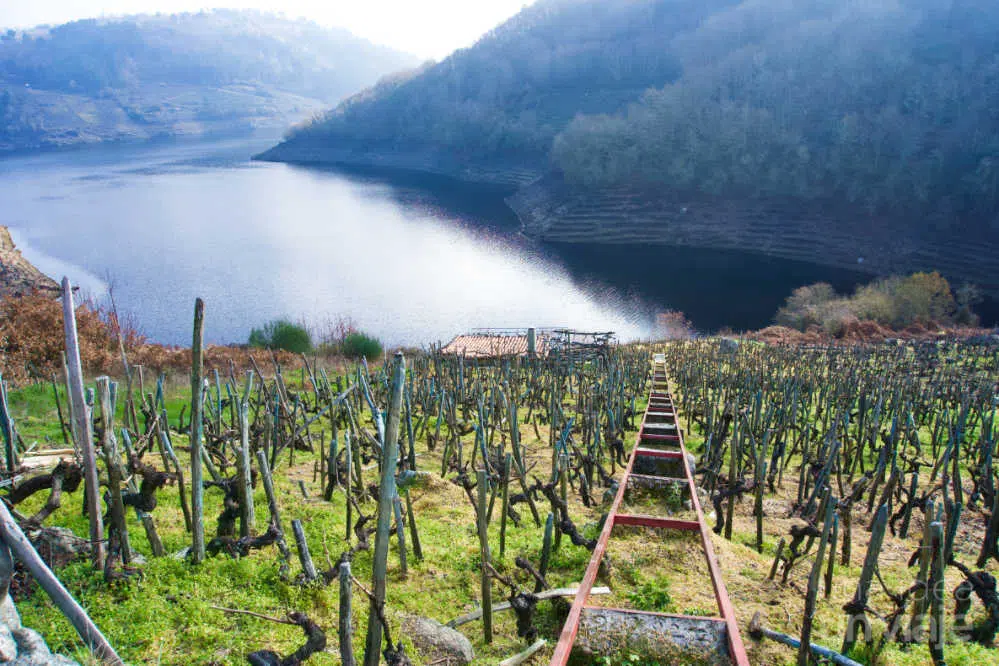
point(166, 616)
point(782, 606)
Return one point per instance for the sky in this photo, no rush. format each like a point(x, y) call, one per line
point(427, 28)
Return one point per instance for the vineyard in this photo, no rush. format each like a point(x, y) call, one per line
point(433, 507)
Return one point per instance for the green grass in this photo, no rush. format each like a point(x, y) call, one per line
point(165, 616)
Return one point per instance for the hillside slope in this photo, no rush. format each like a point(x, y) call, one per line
point(143, 77)
point(492, 111)
point(877, 121)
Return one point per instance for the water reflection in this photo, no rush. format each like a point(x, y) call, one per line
point(259, 241)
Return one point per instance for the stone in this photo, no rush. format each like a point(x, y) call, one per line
point(661, 639)
point(182, 554)
point(21, 646)
point(30, 644)
point(434, 641)
point(17, 275)
point(8, 645)
point(8, 614)
point(58, 545)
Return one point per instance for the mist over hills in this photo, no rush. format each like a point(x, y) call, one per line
point(661, 120)
point(147, 76)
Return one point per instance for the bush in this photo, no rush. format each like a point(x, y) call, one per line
point(357, 344)
point(31, 338)
point(802, 307)
point(652, 596)
point(282, 334)
point(899, 302)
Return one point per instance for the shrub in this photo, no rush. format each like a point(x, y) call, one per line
point(32, 341)
point(899, 302)
point(923, 297)
point(358, 344)
point(652, 596)
point(673, 325)
point(802, 308)
point(282, 334)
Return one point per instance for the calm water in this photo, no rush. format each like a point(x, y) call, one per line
point(413, 262)
point(258, 241)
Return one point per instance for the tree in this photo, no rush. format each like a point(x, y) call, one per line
point(282, 334)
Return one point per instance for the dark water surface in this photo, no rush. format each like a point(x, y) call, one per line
point(414, 261)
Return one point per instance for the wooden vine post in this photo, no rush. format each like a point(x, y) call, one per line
point(483, 528)
point(82, 427)
point(112, 460)
point(345, 629)
point(937, 591)
point(804, 649)
point(247, 513)
point(855, 609)
point(7, 426)
point(197, 388)
point(386, 495)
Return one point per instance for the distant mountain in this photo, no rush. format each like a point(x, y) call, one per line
point(860, 133)
point(140, 77)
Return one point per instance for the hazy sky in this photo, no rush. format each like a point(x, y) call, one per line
point(428, 28)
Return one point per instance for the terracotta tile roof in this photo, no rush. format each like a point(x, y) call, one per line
point(492, 346)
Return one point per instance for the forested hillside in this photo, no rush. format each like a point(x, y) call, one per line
point(890, 105)
point(520, 84)
point(142, 76)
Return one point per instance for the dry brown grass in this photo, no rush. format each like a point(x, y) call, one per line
point(32, 341)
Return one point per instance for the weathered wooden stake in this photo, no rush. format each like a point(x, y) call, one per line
point(347, 450)
point(197, 425)
point(990, 544)
point(247, 512)
point(386, 493)
point(733, 469)
point(937, 591)
point(308, 568)
point(921, 598)
point(82, 427)
point(400, 529)
point(112, 460)
point(7, 426)
point(505, 504)
point(265, 474)
point(804, 651)
point(483, 527)
point(831, 560)
point(413, 533)
point(546, 550)
point(907, 515)
point(345, 629)
point(860, 597)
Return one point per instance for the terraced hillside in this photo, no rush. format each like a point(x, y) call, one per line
point(552, 210)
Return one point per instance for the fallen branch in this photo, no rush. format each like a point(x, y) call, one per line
point(524, 656)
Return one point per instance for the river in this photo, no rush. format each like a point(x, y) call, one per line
point(410, 259)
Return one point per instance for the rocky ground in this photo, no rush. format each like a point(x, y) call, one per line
point(17, 275)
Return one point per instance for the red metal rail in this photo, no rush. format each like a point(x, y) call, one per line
point(655, 432)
